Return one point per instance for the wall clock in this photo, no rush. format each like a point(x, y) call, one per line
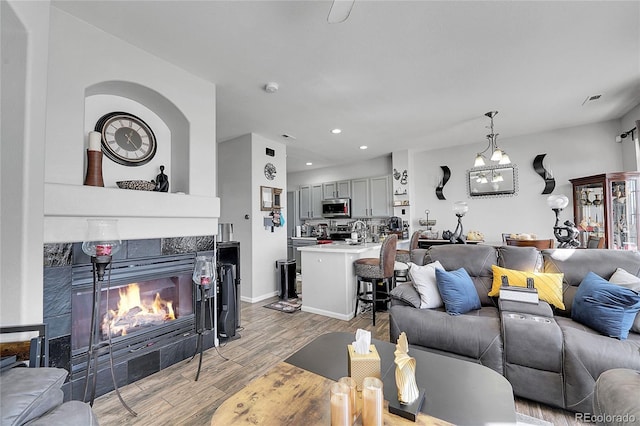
point(126, 139)
point(270, 171)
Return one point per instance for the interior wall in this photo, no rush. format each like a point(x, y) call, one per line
point(234, 189)
point(241, 173)
point(571, 153)
point(24, 30)
point(82, 56)
point(269, 244)
point(631, 146)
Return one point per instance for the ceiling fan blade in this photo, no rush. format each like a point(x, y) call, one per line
point(340, 10)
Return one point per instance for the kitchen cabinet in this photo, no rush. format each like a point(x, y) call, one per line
point(371, 197)
point(340, 189)
point(311, 201)
point(607, 205)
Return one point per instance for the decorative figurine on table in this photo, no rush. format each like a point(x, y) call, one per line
point(162, 181)
point(567, 235)
point(405, 372)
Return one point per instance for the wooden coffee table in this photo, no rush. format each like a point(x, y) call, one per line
point(296, 391)
point(289, 395)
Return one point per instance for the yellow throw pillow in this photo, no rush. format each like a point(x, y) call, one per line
point(549, 286)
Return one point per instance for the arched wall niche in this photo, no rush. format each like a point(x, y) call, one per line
point(171, 115)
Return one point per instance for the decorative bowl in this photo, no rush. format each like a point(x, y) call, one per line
point(139, 185)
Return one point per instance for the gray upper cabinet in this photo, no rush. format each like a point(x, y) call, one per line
point(311, 201)
point(380, 196)
point(360, 198)
point(340, 189)
point(371, 197)
point(305, 201)
point(316, 201)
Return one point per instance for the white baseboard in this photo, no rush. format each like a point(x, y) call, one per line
point(259, 298)
point(326, 313)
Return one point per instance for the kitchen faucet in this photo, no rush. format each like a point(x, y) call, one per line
point(361, 228)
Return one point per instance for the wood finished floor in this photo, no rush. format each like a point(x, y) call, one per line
point(172, 397)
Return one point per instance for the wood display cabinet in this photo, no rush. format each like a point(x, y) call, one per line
point(606, 205)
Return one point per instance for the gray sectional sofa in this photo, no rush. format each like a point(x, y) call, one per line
point(33, 396)
point(545, 355)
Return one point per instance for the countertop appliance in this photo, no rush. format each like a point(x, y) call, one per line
point(336, 208)
point(395, 223)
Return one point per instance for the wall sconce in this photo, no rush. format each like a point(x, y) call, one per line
point(546, 175)
point(446, 174)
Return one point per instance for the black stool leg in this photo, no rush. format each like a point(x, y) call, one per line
point(374, 291)
point(357, 294)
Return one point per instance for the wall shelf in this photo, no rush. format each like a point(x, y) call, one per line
point(140, 214)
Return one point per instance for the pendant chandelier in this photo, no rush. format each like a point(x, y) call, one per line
point(497, 155)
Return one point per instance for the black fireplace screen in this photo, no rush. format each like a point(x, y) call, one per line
point(131, 307)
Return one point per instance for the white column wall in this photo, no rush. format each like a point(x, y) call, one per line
point(24, 54)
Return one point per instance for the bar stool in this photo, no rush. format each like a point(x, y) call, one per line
point(378, 272)
point(403, 257)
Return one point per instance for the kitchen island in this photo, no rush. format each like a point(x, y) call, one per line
point(328, 278)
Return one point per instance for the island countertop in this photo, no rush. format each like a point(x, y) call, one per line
point(341, 247)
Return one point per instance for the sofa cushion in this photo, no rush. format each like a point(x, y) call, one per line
point(607, 308)
point(575, 264)
point(406, 294)
point(475, 259)
point(424, 280)
point(28, 393)
point(474, 335)
point(549, 286)
point(587, 354)
point(69, 413)
point(520, 258)
point(625, 279)
point(457, 291)
point(616, 396)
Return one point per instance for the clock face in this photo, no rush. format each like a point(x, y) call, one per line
point(126, 139)
point(270, 171)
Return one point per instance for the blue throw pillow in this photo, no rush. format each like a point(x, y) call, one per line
point(607, 308)
point(457, 291)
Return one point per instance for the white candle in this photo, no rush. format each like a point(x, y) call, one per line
point(340, 412)
point(372, 402)
point(95, 140)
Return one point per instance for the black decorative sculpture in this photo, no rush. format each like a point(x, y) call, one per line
point(446, 174)
point(460, 208)
point(162, 181)
point(549, 181)
point(567, 235)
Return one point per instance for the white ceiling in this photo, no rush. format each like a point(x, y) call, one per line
point(397, 74)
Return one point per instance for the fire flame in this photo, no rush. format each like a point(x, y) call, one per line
point(134, 312)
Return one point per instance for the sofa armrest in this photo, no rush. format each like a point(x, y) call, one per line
point(405, 294)
point(541, 309)
point(28, 393)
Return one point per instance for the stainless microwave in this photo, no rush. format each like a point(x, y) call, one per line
point(336, 208)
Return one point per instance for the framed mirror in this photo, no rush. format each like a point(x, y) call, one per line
point(266, 198)
point(493, 181)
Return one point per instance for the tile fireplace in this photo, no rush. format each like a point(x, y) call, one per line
point(148, 310)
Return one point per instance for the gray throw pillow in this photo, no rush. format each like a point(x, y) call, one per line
point(625, 279)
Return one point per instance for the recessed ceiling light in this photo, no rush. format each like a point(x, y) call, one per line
point(309, 163)
point(364, 147)
point(288, 136)
point(336, 131)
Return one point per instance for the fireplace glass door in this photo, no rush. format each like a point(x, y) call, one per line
point(131, 307)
